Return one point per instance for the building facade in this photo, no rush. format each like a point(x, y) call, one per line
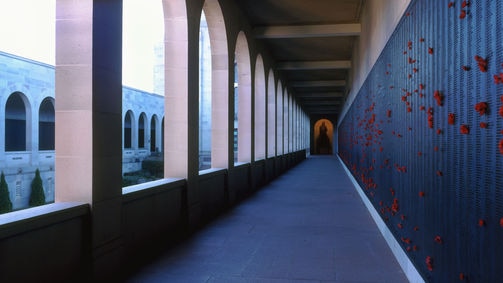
point(27, 106)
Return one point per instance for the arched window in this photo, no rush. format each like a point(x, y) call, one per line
point(236, 112)
point(204, 95)
point(260, 110)
point(15, 123)
point(271, 115)
point(244, 100)
point(128, 130)
point(154, 145)
point(46, 125)
point(219, 84)
point(143, 52)
point(142, 121)
point(279, 119)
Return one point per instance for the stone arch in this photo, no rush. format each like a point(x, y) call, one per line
point(242, 55)
point(279, 118)
point(46, 124)
point(271, 115)
point(154, 134)
point(17, 122)
point(323, 136)
point(219, 84)
point(142, 130)
point(129, 130)
point(260, 109)
point(286, 121)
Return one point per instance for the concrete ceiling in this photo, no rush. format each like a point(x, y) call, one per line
point(312, 44)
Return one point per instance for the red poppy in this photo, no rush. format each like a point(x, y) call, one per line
point(421, 39)
point(482, 63)
point(388, 113)
point(421, 194)
point(466, 68)
point(419, 154)
point(501, 111)
point(439, 131)
point(500, 146)
point(440, 173)
point(481, 107)
point(438, 239)
point(409, 109)
point(399, 225)
point(482, 222)
point(450, 5)
point(430, 50)
point(462, 276)
point(464, 129)
point(411, 61)
point(422, 108)
point(416, 228)
point(501, 221)
point(462, 15)
point(409, 45)
point(429, 263)
point(498, 78)
point(439, 97)
point(464, 4)
point(421, 86)
point(451, 119)
point(484, 125)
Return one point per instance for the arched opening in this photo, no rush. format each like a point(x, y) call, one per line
point(46, 125)
point(128, 130)
point(260, 110)
point(323, 136)
point(219, 84)
point(142, 130)
point(271, 115)
point(279, 119)
point(205, 94)
point(243, 99)
point(15, 123)
point(286, 122)
point(142, 51)
point(154, 146)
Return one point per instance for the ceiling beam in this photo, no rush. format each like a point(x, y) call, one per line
point(314, 65)
point(320, 103)
point(319, 95)
point(334, 83)
point(306, 31)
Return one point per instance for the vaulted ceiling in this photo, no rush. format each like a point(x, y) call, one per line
point(312, 44)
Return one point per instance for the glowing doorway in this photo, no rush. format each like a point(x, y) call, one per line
point(323, 137)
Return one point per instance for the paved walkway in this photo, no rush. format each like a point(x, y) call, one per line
point(308, 225)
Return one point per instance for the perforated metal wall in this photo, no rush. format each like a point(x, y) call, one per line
point(424, 138)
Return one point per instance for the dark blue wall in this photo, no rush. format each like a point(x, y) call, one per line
point(438, 183)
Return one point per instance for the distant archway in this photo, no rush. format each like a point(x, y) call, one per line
point(128, 129)
point(46, 124)
point(16, 128)
point(323, 137)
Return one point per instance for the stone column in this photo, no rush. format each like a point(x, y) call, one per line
point(89, 120)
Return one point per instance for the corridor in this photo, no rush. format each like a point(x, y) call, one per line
point(308, 225)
